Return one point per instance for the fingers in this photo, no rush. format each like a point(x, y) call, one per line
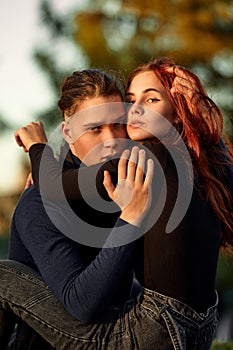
point(29, 181)
point(177, 70)
point(183, 86)
point(18, 139)
point(184, 82)
point(139, 176)
point(122, 165)
point(127, 164)
point(110, 188)
point(132, 165)
point(134, 192)
point(30, 134)
point(149, 172)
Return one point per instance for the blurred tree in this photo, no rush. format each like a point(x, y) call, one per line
point(120, 34)
point(3, 125)
point(128, 32)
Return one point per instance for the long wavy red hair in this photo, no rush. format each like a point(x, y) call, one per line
point(202, 135)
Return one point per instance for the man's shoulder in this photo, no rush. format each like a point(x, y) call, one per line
point(28, 210)
point(30, 193)
point(29, 199)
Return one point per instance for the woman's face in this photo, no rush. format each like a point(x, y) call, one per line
point(151, 114)
point(97, 131)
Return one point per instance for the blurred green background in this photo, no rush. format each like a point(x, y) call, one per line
point(118, 35)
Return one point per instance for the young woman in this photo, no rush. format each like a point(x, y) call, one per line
point(180, 267)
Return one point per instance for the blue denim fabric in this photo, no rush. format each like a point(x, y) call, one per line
point(187, 328)
point(149, 321)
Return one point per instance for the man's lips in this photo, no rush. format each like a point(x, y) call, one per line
point(110, 156)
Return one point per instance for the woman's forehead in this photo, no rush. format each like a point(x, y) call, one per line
point(143, 81)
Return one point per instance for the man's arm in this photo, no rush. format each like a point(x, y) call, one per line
point(49, 175)
point(85, 288)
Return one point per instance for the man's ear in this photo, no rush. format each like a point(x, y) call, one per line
point(66, 132)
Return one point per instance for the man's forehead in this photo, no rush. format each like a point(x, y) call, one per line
point(101, 114)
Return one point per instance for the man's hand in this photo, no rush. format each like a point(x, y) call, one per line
point(29, 181)
point(30, 134)
point(133, 191)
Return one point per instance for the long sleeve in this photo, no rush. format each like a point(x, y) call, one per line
point(84, 288)
point(54, 180)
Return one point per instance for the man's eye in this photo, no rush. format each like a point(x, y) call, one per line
point(130, 101)
point(95, 128)
point(118, 125)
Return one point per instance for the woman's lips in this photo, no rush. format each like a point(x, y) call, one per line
point(136, 124)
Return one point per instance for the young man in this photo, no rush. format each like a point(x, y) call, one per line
point(92, 283)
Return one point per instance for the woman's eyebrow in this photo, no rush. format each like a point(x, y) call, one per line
point(144, 91)
point(129, 94)
point(150, 89)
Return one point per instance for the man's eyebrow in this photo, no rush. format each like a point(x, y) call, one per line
point(144, 91)
point(93, 124)
point(122, 116)
point(102, 122)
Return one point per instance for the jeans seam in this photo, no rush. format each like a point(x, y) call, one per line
point(30, 315)
point(37, 298)
point(25, 275)
point(26, 315)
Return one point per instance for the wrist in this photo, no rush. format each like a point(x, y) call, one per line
point(36, 143)
point(132, 218)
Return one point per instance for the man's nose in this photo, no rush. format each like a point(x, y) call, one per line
point(110, 137)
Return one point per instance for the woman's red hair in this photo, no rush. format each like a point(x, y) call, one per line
point(201, 133)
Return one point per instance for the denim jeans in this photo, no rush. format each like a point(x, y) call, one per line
point(149, 321)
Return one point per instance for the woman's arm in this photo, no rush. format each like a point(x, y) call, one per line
point(49, 175)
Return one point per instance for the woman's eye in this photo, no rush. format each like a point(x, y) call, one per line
point(151, 100)
point(130, 102)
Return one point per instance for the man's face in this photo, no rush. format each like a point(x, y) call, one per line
point(97, 131)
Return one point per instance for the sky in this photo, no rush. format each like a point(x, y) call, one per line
point(23, 89)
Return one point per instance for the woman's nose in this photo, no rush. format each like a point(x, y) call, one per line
point(136, 110)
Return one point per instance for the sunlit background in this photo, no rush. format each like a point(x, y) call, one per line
point(41, 41)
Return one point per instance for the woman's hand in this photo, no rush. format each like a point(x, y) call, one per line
point(30, 134)
point(189, 85)
point(133, 191)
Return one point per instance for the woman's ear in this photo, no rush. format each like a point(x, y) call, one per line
point(175, 118)
point(66, 132)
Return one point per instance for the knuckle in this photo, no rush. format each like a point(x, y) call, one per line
point(131, 165)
